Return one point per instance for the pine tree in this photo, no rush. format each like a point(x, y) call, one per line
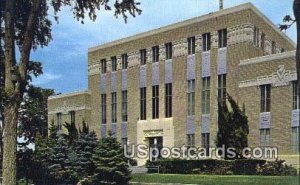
point(87, 142)
point(233, 128)
point(72, 135)
point(111, 164)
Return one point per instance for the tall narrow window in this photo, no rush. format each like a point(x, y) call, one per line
point(265, 137)
point(143, 103)
point(191, 45)
point(222, 89)
point(155, 102)
point(206, 41)
point(58, 123)
point(103, 108)
point(113, 63)
point(296, 104)
point(205, 142)
point(262, 44)
point(191, 97)
point(143, 54)
point(265, 100)
point(190, 140)
point(72, 116)
point(206, 95)
point(124, 106)
point(273, 47)
point(222, 38)
point(124, 61)
point(168, 100)
point(256, 36)
point(103, 66)
point(155, 53)
point(168, 50)
point(114, 107)
point(295, 139)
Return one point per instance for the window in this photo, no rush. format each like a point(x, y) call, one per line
point(58, 119)
point(114, 63)
point(295, 142)
point(72, 115)
point(191, 97)
point(206, 41)
point(205, 142)
point(256, 36)
point(168, 99)
point(222, 38)
point(282, 50)
point(296, 104)
point(273, 47)
point(206, 95)
point(143, 104)
point(265, 100)
point(155, 53)
point(114, 107)
point(143, 53)
point(222, 89)
point(262, 44)
point(155, 102)
point(103, 108)
point(191, 45)
point(103, 66)
point(168, 51)
point(190, 140)
point(124, 61)
point(124, 106)
point(265, 137)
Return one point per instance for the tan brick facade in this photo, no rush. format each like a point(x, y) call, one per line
point(240, 23)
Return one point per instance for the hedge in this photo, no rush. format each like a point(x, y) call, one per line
point(221, 167)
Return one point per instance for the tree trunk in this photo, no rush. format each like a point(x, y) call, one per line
point(297, 17)
point(10, 144)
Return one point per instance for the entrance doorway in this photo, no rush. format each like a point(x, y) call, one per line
point(155, 142)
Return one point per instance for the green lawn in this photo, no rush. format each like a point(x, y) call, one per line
point(215, 179)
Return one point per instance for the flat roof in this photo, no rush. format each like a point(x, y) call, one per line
point(238, 8)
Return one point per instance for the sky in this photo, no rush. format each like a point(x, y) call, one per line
point(65, 59)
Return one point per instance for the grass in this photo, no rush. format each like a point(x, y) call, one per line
point(216, 179)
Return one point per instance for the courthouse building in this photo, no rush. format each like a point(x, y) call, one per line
point(162, 87)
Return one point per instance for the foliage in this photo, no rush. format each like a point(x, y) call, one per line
point(85, 145)
point(222, 167)
point(278, 168)
point(72, 135)
point(233, 129)
point(111, 164)
point(33, 114)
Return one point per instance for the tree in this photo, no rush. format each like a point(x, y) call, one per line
point(111, 164)
point(288, 21)
point(72, 135)
point(26, 24)
point(33, 112)
point(233, 128)
point(86, 143)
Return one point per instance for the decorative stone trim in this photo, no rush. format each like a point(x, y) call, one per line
point(205, 64)
point(190, 125)
point(153, 133)
point(65, 109)
point(222, 61)
point(103, 130)
point(180, 48)
point(168, 71)
point(191, 67)
point(265, 120)
point(295, 118)
point(205, 124)
point(281, 77)
point(124, 129)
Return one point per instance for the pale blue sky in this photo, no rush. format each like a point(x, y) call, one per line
point(65, 59)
